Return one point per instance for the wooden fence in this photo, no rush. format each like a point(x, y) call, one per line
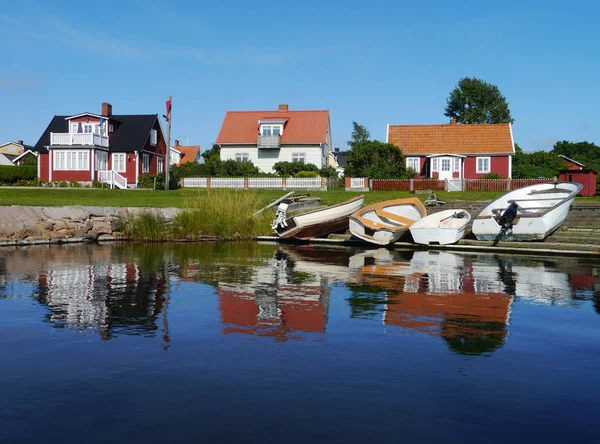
point(364, 184)
point(273, 183)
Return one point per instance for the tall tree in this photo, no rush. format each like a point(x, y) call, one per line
point(359, 134)
point(375, 160)
point(476, 101)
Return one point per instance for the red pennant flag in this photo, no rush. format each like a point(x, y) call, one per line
point(168, 115)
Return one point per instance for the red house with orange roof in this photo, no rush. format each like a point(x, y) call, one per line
point(455, 151)
point(106, 147)
point(267, 137)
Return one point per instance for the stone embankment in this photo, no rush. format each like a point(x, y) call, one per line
point(23, 225)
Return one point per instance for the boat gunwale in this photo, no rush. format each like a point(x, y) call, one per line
point(330, 207)
point(378, 208)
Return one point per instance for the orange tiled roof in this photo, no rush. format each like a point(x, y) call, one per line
point(189, 152)
point(242, 127)
point(452, 139)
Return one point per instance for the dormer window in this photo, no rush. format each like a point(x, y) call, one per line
point(153, 137)
point(271, 130)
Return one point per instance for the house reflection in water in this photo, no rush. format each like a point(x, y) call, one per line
point(89, 289)
point(436, 293)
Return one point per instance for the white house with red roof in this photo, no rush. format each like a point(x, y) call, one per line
point(267, 137)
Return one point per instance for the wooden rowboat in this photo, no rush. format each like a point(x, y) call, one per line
point(386, 222)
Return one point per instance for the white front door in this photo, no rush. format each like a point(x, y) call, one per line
point(445, 168)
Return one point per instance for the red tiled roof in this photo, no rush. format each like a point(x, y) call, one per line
point(302, 127)
point(189, 152)
point(452, 139)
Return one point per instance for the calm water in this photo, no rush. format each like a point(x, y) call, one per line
point(260, 343)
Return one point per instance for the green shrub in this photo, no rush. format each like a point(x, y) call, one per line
point(147, 181)
point(290, 169)
point(12, 174)
point(306, 174)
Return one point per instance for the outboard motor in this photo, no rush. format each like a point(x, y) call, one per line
point(508, 216)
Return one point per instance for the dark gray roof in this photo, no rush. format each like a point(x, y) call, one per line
point(130, 135)
point(11, 157)
point(341, 159)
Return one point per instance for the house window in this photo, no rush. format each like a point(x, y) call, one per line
point(483, 165)
point(71, 160)
point(73, 127)
point(12, 149)
point(456, 164)
point(160, 166)
point(271, 130)
point(413, 163)
point(434, 164)
point(241, 157)
point(111, 128)
point(101, 161)
point(88, 128)
point(445, 164)
point(118, 160)
point(145, 163)
point(299, 157)
point(153, 137)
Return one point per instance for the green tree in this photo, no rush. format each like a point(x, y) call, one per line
point(216, 149)
point(536, 164)
point(476, 101)
point(584, 152)
point(359, 134)
point(376, 160)
point(232, 168)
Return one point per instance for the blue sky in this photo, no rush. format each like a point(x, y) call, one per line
point(374, 62)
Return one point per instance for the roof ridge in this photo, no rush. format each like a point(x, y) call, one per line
point(281, 112)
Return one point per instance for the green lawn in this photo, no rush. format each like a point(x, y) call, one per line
point(183, 198)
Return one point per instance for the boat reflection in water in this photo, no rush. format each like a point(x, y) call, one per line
point(283, 292)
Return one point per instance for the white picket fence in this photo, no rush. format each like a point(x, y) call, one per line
point(274, 183)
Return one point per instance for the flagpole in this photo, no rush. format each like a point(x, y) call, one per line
point(168, 157)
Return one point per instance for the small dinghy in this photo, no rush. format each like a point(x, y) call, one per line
point(443, 228)
point(526, 214)
point(316, 223)
point(386, 222)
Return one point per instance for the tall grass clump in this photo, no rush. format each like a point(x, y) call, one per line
point(147, 226)
point(224, 214)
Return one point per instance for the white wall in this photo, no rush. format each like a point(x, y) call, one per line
point(264, 159)
point(5, 160)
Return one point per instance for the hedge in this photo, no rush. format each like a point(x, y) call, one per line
point(12, 174)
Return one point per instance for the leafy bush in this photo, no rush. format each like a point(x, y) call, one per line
point(290, 169)
point(147, 181)
point(493, 176)
point(329, 172)
point(306, 174)
point(29, 159)
point(12, 174)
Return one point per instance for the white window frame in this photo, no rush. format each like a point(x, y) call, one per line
point(145, 163)
point(160, 166)
point(269, 129)
point(111, 128)
point(434, 165)
point(483, 169)
point(299, 157)
point(456, 162)
point(242, 157)
point(413, 163)
point(101, 161)
point(446, 164)
point(153, 137)
point(119, 160)
point(71, 160)
point(74, 127)
point(88, 128)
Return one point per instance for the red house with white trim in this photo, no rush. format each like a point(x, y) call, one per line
point(455, 151)
point(105, 147)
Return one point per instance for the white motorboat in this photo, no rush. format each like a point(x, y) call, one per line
point(526, 214)
point(319, 222)
point(442, 228)
point(385, 222)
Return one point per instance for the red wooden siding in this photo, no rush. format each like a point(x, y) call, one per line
point(498, 165)
point(587, 178)
point(43, 161)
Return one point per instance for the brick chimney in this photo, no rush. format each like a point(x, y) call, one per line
point(452, 121)
point(283, 107)
point(19, 142)
point(176, 142)
point(106, 109)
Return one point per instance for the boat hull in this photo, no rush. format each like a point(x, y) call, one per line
point(320, 222)
point(386, 222)
point(535, 219)
point(442, 228)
